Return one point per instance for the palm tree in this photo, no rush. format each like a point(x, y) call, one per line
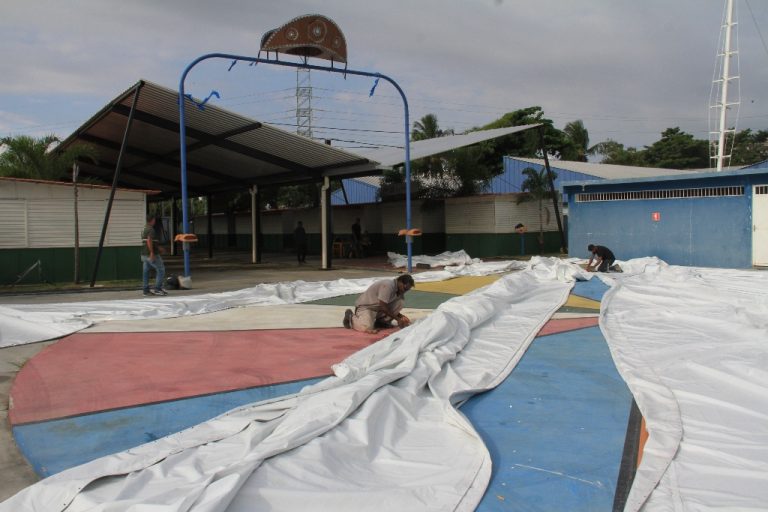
point(428, 128)
point(37, 158)
point(578, 136)
point(536, 186)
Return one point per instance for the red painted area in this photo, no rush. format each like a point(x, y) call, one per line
point(555, 326)
point(86, 373)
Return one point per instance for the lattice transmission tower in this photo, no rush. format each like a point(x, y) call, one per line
point(303, 102)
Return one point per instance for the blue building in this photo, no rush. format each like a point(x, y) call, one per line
point(702, 219)
point(357, 191)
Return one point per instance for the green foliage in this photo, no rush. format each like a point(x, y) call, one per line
point(577, 137)
point(38, 158)
point(537, 188)
point(677, 150)
point(614, 153)
point(527, 143)
point(750, 147)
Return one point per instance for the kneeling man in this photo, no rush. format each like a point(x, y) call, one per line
point(379, 305)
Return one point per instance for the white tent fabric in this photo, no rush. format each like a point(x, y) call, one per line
point(444, 258)
point(692, 345)
point(383, 434)
point(28, 323)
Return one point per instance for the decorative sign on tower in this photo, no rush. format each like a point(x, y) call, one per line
point(311, 35)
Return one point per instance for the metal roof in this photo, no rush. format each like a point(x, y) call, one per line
point(607, 171)
point(226, 151)
point(389, 157)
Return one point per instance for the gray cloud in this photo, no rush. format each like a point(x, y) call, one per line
point(629, 69)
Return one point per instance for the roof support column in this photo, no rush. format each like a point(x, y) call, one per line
point(172, 234)
point(326, 225)
point(209, 208)
point(115, 180)
point(255, 225)
point(555, 198)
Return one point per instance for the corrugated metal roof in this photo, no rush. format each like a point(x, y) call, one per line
point(225, 151)
point(606, 171)
point(70, 184)
point(423, 148)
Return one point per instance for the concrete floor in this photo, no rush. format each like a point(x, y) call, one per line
point(227, 272)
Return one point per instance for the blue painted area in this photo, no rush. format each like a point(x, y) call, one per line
point(555, 427)
point(593, 289)
point(53, 446)
point(512, 178)
point(758, 165)
point(704, 231)
point(358, 192)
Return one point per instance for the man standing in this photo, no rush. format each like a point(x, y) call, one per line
point(379, 305)
point(300, 239)
point(357, 236)
point(151, 258)
point(603, 257)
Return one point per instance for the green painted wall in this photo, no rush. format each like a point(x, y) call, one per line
point(485, 245)
point(58, 264)
point(477, 245)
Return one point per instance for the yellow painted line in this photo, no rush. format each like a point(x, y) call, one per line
point(457, 285)
point(575, 301)
point(291, 316)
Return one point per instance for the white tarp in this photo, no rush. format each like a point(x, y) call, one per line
point(28, 323)
point(383, 434)
point(692, 345)
point(438, 260)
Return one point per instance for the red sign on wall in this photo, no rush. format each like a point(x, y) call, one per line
point(656, 216)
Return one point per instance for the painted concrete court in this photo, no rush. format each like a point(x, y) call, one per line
point(556, 427)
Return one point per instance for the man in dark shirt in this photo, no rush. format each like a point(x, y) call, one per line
point(357, 248)
point(151, 259)
point(300, 239)
point(602, 256)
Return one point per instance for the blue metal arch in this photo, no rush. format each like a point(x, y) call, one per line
point(183, 135)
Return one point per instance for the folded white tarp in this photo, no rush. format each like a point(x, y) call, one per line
point(383, 434)
point(444, 258)
point(28, 323)
point(692, 345)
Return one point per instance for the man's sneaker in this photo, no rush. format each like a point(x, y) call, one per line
point(147, 293)
point(348, 319)
point(159, 291)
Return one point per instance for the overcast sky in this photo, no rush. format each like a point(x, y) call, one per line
point(627, 68)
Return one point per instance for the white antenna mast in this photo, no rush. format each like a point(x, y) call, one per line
point(719, 94)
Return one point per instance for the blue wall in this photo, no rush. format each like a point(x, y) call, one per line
point(511, 180)
point(358, 192)
point(710, 231)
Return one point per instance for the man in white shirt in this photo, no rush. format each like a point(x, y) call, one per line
point(379, 305)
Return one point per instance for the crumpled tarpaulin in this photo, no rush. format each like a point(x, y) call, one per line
point(444, 258)
point(382, 434)
point(692, 345)
point(28, 323)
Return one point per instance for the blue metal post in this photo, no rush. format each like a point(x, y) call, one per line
point(183, 136)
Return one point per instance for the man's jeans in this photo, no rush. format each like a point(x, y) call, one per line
point(159, 267)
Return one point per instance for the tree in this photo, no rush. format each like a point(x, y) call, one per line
point(536, 188)
point(38, 158)
point(677, 150)
point(524, 144)
point(614, 153)
point(750, 147)
point(428, 128)
point(578, 139)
